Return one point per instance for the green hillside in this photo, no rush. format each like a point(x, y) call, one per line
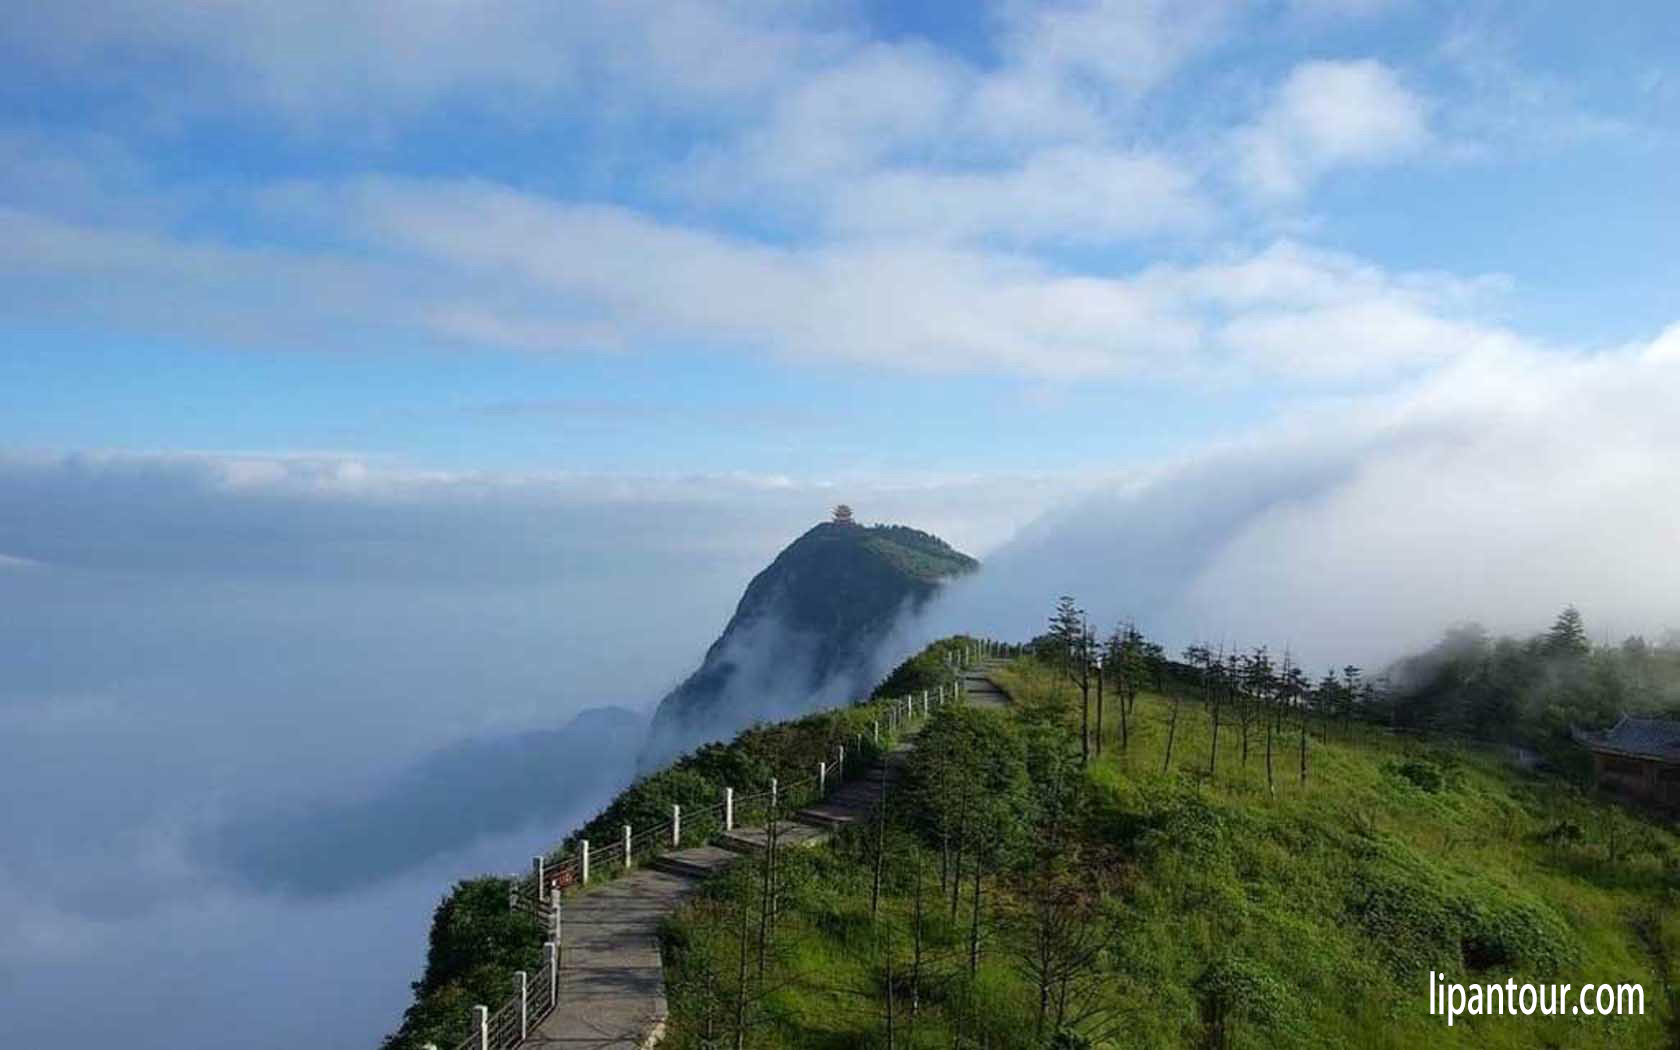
point(1122, 904)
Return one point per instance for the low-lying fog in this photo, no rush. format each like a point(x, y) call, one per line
point(256, 715)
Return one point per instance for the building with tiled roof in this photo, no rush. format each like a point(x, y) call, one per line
point(1639, 757)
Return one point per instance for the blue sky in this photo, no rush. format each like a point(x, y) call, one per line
point(388, 379)
point(510, 237)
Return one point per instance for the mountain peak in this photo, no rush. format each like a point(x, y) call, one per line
point(808, 630)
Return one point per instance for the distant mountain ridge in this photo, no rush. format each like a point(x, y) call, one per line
point(807, 631)
point(446, 801)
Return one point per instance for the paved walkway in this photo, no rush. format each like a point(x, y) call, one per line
point(979, 690)
point(612, 990)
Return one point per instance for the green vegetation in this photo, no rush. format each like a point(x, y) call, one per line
point(917, 553)
point(476, 944)
point(1027, 887)
point(815, 615)
point(927, 669)
point(1531, 690)
point(478, 941)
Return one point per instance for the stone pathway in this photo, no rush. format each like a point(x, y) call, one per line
point(612, 990)
point(979, 690)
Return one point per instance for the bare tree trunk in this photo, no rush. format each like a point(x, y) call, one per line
point(956, 882)
point(1125, 709)
point(1044, 966)
point(1099, 711)
point(1172, 729)
point(1271, 786)
point(974, 924)
point(1303, 747)
point(944, 854)
point(962, 843)
point(768, 890)
point(1213, 751)
point(1084, 720)
point(890, 1031)
point(741, 983)
point(916, 961)
point(880, 844)
point(1245, 715)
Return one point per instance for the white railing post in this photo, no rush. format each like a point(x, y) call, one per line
point(626, 845)
point(557, 921)
point(728, 809)
point(552, 949)
point(772, 794)
point(842, 760)
point(523, 980)
point(877, 730)
point(481, 1021)
point(676, 825)
point(822, 778)
point(585, 872)
point(537, 871)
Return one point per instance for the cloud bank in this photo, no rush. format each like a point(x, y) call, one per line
point(316, 689)
point(1499, 488)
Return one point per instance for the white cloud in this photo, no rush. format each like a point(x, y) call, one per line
point(854, 113)
point(317, 62)
point(1066, 194)
point(1501, 104)
point(1130, 45)
point(478, 263)
point(1344, 8)
point(909, 138)
point(1329, 115)
point(1500, 488)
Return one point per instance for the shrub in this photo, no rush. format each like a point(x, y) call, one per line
point(1563, 833)
point(1234, 989)
point(1187, 823)
point(1504, 931)
point(1426, 776)
point(928, 669)
point(477, 942)
point(1421, 918)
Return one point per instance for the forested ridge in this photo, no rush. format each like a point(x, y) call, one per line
point(1207, 850)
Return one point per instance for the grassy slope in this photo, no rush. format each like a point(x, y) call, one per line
point(1332, 901)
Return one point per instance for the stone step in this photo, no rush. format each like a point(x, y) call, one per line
point(753, 840)
point(825, 817)
point(697, 862)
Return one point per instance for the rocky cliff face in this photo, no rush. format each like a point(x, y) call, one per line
point(807, 632)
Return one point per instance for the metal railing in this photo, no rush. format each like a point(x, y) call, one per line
point(538, 892)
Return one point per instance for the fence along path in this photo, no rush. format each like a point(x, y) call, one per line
point(601, 986)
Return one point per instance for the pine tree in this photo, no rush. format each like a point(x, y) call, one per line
point(1568, 636)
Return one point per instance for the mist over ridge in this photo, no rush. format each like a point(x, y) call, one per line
point(1495, 490)
point(811, 630)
